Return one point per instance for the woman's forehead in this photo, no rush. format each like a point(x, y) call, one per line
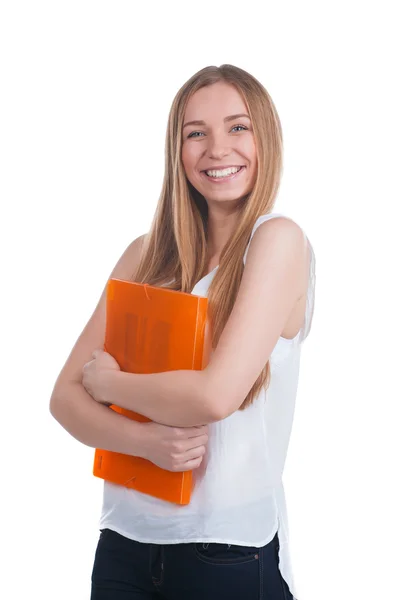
point(218, 100)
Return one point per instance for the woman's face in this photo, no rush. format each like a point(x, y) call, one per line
point(218, 151)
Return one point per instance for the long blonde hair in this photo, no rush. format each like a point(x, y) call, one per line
point(175, 249)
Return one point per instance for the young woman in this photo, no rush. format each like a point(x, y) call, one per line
point(214, 233)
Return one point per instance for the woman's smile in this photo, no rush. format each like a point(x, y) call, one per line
point(222, 175)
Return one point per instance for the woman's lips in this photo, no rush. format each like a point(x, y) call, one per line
point(223, 179)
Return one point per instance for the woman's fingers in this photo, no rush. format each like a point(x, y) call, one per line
point(197, 431)
point(197, 452)
point(191, 464)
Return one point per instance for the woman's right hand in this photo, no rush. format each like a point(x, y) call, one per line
point(174, 448)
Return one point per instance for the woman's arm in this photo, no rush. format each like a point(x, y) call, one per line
point(93, 424)
point(171, 448)
point(177, 397)
point(71, 405)
point(274, 278)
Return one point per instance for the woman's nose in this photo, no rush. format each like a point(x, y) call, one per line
point(218, 147)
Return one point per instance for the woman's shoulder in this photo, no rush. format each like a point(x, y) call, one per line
point(128, 263)
point(277, 217)
point(278, 222)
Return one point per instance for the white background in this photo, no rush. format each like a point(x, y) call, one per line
point(86, 91)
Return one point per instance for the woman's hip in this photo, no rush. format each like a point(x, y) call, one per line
point(193, 571)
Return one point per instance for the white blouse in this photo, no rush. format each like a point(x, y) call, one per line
point(238, 496)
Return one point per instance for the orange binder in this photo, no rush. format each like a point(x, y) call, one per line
point(149, 330)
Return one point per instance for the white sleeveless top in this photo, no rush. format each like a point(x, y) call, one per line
point(238, 496)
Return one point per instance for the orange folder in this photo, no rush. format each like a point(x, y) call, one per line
point(149, 330)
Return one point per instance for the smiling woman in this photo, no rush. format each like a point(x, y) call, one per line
point(214, 234)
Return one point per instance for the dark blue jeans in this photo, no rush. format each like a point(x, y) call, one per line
point(128, 570)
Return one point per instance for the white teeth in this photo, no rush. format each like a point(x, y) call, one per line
point(223, 172)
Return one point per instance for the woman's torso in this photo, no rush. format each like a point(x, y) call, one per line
point(238, 496)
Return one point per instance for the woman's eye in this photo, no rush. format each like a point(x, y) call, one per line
point(199, 133)
point(242, 126)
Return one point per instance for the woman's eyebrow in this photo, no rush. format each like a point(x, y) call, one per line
point(230, 118)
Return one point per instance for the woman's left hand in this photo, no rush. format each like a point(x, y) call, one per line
point(94, 375)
